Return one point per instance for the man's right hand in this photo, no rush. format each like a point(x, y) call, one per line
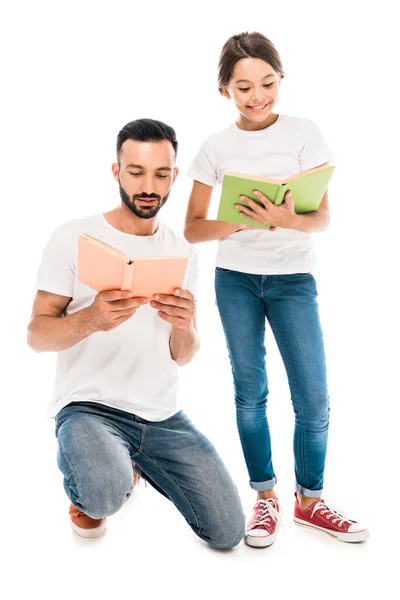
point(110, 309)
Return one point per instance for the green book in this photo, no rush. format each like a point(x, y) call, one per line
point(307, 187)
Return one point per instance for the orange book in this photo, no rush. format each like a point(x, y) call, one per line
point(102, 267)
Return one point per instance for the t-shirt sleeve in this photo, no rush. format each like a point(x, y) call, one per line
point(203, 167)
point(192, 275)
point(314, 150)
point(56, 272)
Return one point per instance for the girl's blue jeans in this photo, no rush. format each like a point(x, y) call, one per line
point(289, 304)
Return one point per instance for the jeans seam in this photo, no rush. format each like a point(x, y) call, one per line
point(179, 488)
point(142, 438)
point(78, 486)
point(285, 357)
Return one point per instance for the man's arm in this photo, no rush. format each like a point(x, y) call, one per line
point(179, 310)
point(184, 343)
point(50, 331)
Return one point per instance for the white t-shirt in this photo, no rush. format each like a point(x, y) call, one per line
point(283, 149)
point(129, 367)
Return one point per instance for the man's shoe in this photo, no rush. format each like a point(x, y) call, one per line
point(261, 529)
point(84, 525)
point(136, 476)
point(319, 516)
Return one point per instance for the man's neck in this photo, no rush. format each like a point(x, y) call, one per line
point(124, 220)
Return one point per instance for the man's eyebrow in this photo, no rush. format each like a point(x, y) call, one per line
point(133, 166)
point(247, 81)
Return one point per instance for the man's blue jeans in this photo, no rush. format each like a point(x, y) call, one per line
point(97, 443)
point(289, 304)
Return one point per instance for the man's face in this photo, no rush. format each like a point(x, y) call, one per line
point(145, 175)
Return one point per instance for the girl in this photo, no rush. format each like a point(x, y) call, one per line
point(267, 274)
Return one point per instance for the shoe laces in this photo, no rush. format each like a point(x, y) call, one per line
point(337, 517)
point(266, 510)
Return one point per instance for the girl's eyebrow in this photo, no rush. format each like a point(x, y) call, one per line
point(247, 81)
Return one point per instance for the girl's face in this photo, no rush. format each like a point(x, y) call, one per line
point(254, 88)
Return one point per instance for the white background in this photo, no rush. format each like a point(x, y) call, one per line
point(73, 74)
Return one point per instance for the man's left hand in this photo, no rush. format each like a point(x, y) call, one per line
point(178, 309)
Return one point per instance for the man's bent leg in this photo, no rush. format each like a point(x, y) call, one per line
point(181, 463)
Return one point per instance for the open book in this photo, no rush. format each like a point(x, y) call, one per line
point(307, 187)
point(103, 267)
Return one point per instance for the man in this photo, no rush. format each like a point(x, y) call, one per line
point(115, 396)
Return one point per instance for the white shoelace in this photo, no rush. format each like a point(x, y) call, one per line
point(331, 513)
point(265, 512)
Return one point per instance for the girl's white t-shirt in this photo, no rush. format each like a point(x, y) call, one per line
point(290, 145)
point(129, 367)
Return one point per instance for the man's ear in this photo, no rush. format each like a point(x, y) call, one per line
point(175, 174)
point(115, 171)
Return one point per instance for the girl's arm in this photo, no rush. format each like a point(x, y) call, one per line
point(197, 227)
point(314, 221)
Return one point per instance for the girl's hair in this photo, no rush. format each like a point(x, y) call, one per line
point(245, 45)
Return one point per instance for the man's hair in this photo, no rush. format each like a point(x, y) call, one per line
point(146, 130)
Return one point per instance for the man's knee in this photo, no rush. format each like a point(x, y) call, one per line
point(227, 534)
point(100, 497)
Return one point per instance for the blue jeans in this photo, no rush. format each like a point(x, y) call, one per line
point(97, 443)
point(289, 304)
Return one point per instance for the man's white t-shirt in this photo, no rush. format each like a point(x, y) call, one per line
point(129, 367)
point(283, 149)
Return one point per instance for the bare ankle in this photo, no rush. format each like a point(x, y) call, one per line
point(306, 501)
point(267, 494)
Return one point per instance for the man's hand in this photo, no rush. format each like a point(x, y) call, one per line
point(110, 309)
point(178, 309)
point(270, 214)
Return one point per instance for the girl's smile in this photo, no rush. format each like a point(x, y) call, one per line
point(258, 108)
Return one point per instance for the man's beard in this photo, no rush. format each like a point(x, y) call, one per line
point(144, 212)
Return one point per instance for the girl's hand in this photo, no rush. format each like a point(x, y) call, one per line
point(269, 214)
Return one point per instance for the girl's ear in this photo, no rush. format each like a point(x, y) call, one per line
point(224, 92)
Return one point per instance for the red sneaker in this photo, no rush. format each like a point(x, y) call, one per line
point(84, 525)
point(320, 516)
point(261, 530)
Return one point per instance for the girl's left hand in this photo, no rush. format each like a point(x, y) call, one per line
point(269, 214)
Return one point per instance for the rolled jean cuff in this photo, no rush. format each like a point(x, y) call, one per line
point(263, 486)
point(310, 493)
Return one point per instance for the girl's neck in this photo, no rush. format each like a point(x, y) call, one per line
point(247, 125)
